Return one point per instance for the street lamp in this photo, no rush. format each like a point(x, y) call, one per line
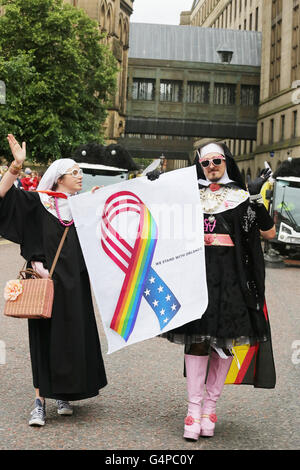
point(225, 53)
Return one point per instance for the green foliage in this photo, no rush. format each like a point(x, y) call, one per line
point(58, 76)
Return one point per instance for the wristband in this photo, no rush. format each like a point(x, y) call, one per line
point(256, 199)
point(15, 169)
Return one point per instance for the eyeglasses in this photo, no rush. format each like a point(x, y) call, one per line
point(75, 172)
point(215, 161)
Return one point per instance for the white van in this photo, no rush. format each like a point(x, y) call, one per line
point(101, 175)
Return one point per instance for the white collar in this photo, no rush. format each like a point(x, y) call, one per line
point(63, 204)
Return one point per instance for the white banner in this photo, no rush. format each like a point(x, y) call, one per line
point(143, 245)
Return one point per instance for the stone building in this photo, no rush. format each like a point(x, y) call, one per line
point(231, 14)
point(278, 126)
point(113, 17)
point(179, 89)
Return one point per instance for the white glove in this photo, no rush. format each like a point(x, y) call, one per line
point(39, 268)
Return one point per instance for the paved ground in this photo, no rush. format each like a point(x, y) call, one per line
point(145, 402)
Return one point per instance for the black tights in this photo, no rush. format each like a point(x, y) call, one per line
point(197, 349)
point(202, 349)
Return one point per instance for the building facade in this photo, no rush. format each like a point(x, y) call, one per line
point(278, 123)
point(179, 89)
point(113, 17)
point(227, 14)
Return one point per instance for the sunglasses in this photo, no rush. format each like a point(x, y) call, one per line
point(75, 172)
point(215, 161)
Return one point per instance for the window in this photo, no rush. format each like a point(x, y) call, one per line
point(256, 18)
point(143, 89)
point(234, 148)
point(171, 90)
point(224, 94)
point(282, 125)
point(261, 133)
point(275, 64)
point(198, 92)
point(249, 95)
point(295, 119)
point(271, 135)
point(296, 44)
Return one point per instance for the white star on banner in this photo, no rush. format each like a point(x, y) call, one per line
point(160, 298)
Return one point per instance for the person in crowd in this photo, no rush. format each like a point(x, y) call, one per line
point(26, 180)
point(33, 181)
point(234, 222)
point(65, 351)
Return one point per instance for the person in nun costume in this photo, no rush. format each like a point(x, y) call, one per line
point(234, 220)
point(67, 363)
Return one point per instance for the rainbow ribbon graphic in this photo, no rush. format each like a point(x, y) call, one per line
point(140, 278)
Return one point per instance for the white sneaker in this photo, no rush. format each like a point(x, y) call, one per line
point(38, 415)
point(64, 408)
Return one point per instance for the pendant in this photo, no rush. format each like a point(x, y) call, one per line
point(211, 219)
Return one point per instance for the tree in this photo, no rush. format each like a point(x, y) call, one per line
point(58, 76)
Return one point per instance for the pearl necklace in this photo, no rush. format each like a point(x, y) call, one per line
point(208, 196)
point(59, 217)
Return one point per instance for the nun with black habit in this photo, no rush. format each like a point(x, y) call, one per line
point(67, 363)
point(234, 222)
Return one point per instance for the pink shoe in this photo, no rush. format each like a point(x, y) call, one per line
point(208, 424)
point(196, 367)
point(218, 370)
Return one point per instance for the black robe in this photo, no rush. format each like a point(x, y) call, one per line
point(66, 358)
point(236, 311)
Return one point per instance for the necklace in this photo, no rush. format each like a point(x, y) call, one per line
point(211, 201)
point(59, 217)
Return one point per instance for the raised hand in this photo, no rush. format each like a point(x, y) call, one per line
point(153, 175)
point(19, 153)
point(94, 188)
point(255, 186)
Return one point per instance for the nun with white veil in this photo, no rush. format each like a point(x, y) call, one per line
point(67, 363)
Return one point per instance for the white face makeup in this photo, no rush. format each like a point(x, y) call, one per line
point(213, 172)
point(71, 181)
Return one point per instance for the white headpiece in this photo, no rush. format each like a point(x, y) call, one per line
point(210, 148)
point(213, 148)
point(55, 171)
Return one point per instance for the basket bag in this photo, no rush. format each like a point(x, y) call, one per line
point(31, 296)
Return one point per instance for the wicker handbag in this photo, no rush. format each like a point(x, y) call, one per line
point(31, 296)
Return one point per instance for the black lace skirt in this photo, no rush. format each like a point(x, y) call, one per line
point(227, 320)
